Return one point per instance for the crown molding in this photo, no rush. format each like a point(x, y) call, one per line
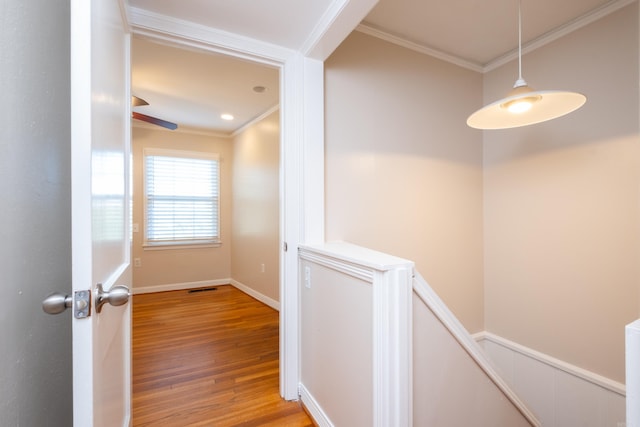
point(555, 34)
point(255, 120)
point(426, 50)
point(559, 32)
point(181, 130)
point(172, 30)
point(207, 132)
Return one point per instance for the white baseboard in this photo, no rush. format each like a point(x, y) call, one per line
point(179, 286)
point(255, 294)
point(560, 394)
point(205, 284)
point(316, 412)
point(570, 369)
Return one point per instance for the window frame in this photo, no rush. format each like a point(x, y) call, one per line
point(178, 244)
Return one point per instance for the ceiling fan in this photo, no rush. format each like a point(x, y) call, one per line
point(138, 102)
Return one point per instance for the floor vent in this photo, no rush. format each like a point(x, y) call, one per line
point(193, 291)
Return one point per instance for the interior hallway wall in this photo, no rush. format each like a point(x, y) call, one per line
point(403, 172)
point(562, 206)
point(35, 218)
point(255, 242)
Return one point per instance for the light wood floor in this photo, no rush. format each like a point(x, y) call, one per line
point(207, 359)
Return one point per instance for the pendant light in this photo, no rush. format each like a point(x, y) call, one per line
point(523, 106)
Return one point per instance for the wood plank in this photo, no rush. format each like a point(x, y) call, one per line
point(208, 359)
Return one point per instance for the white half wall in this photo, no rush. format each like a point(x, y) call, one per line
point(356, 367)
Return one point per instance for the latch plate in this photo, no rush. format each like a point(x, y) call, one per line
point(81, 304)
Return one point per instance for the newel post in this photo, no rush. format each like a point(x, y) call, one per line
point(392, 346)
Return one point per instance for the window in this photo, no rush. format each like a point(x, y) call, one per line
point(182, 198)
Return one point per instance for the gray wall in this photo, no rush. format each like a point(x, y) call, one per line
point(35, 223)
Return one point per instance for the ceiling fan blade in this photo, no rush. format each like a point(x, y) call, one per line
point(137, 102)
point(154, 120)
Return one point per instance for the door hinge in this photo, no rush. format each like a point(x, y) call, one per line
point(285, 247)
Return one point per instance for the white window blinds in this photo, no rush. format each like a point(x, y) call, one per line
point(182, 198)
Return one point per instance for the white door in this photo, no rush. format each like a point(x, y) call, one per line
point(100, 147)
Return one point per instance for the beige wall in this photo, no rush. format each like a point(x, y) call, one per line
point(178, 266)
point(256, 195)
point(562, 217)
point(531, 233)
point(403, 172)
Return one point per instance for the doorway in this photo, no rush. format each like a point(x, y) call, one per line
point(302, 160)
point(248, 255)
point(195, 89)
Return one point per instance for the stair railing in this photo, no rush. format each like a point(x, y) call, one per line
point(422, 289)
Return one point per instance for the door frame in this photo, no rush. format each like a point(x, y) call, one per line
point(302, 156)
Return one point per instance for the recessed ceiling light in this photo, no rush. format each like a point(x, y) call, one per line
point(259, 89)
point(226, 116)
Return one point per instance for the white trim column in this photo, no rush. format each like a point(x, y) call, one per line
point(392, 347)
point(632, 332)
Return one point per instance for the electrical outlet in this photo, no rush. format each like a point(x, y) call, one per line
point(135, 228)
point(262, 268)
point(137, 262)
point(307, 277)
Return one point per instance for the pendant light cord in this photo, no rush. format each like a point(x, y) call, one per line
point(520, 39)
point(520, 81)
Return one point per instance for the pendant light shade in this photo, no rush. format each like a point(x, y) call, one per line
point(526, 108)
point(523, 106)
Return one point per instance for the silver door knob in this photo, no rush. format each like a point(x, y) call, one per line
point(117, 295)
point(57, 303)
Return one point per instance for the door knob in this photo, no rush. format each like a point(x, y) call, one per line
point(56, 303)
point(117, 295)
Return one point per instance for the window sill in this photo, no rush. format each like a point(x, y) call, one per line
point(174, 246)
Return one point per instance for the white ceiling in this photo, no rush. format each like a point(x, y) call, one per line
point(193, 88)
point(476, 31)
